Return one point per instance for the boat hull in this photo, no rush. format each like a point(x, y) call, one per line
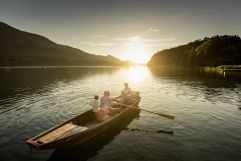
point(86, 134)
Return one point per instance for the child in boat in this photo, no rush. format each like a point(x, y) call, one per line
point(95, 104)
point(101, 108)
point(99, 113)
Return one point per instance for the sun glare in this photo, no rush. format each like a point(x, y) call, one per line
point(137, 74)
point(136, 51)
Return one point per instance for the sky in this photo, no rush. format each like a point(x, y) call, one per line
point(126, 29)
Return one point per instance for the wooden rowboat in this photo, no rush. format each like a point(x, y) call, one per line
point(83, 127)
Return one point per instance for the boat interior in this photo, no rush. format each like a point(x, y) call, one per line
point(76, 125)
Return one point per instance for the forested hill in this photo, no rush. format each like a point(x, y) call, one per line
point(19, 48)
point(213, 51)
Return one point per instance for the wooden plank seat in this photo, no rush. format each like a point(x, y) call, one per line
point(61, 132)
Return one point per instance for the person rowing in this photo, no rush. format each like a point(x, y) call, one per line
point(126, 94)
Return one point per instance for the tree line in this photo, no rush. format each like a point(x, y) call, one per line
point(210, 51)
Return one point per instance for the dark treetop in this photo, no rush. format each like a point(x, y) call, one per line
point(214, 51)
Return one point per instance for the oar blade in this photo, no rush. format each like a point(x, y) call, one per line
point(167, 116)
point(165, 132)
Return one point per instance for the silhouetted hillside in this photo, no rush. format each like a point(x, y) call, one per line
point(19, 48)
point(214, 51)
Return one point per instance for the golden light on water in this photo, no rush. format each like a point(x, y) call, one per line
point(137, 74)
point(136, 51)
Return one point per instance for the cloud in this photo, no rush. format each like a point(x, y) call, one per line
point(158, 40)
point(145, 39)
point(209, 10)
point(92, 43)
point(98, 36)
point(201, 11)
point(128, 39)
point(102, 44)
point(153, 30)
point(86, 42)
point(149, 30)
point(162, 44)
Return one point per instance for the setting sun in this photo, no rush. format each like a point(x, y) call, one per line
point(136, 51)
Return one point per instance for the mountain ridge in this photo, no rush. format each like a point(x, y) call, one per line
point(21, 48)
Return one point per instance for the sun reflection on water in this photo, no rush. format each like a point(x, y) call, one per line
point(137, 74)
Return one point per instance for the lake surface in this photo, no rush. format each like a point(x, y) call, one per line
point(207, 125)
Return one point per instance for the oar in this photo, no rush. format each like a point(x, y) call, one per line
point(160, 114)
point(143, 130)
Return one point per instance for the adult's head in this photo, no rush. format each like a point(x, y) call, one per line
point(107, 93)
point(126, 85)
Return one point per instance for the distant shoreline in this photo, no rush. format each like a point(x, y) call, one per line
point(221, 68)
point(74, 66)
point(45, 67)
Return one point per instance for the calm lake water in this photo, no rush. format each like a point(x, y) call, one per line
point(207, 126)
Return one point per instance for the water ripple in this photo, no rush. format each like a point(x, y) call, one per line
point(207, 118)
